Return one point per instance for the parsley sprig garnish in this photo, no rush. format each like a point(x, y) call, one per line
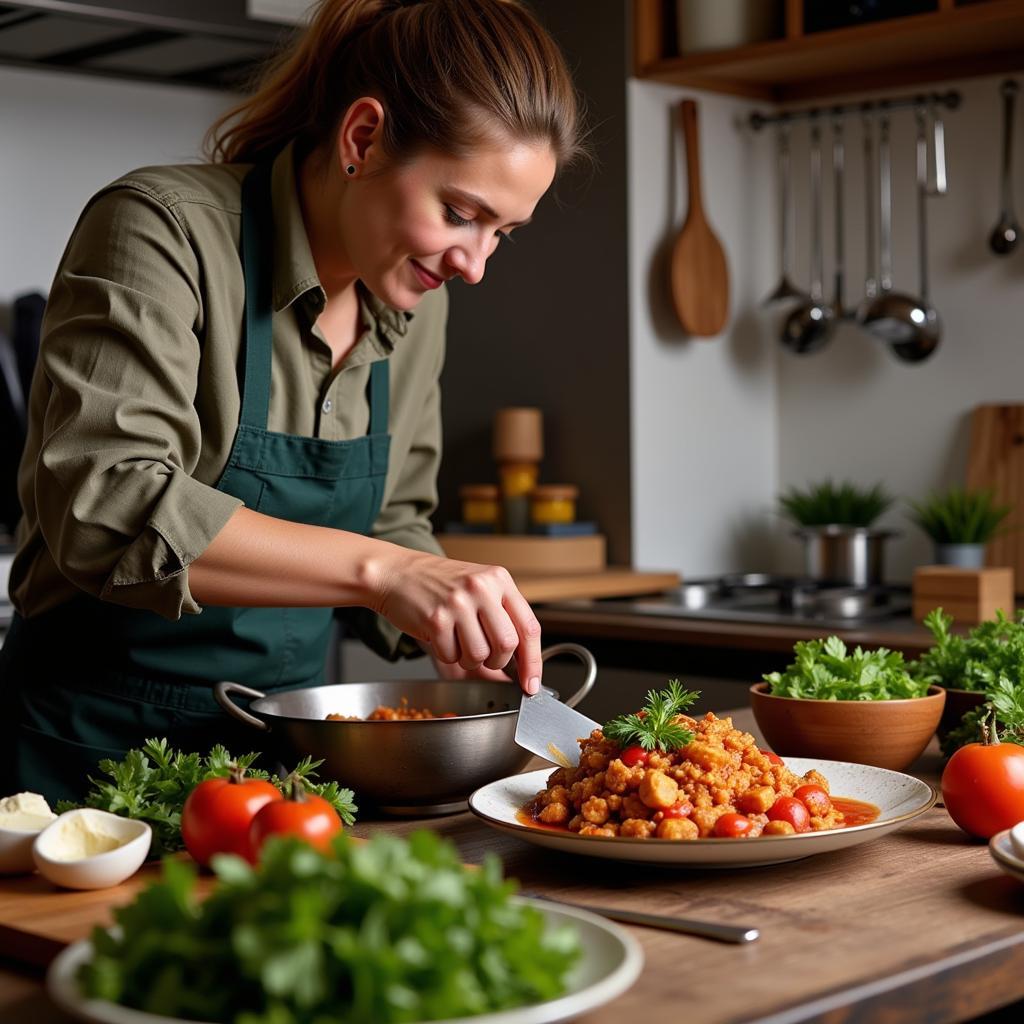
point(655, 727)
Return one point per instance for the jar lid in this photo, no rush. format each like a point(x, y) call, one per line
point(555, 492)
point(483, 492)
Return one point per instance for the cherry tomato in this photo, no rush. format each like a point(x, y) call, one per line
point(733, 826)
point(682, 809)
point(632, 756)
point(983, 786)
point(788, 808)
point(814, 798)
point(217, 814)
point(305, 815)
point(772, 757)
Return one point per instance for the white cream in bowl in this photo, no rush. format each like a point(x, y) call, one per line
point(91, 849)
point(22, 817)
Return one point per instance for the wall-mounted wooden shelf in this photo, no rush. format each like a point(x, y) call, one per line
point(954, 41)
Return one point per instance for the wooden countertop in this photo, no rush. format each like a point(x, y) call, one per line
point(918, 926)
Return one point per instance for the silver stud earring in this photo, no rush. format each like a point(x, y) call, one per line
point(351, 169)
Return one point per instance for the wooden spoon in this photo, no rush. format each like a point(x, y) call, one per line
point(700, 277)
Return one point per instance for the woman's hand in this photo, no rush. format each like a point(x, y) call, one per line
point(467, 614)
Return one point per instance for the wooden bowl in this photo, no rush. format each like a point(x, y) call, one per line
point(884, 733)
point(958, 703)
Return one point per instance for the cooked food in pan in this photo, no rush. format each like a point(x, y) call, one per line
point(661, 774)
point(403, 713)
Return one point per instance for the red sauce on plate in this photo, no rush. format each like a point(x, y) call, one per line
point(856, 812)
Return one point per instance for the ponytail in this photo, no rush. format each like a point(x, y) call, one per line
point(446, 71)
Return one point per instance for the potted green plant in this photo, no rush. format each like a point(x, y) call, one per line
point(960, 524)
point(835, 522)
point(970, 667)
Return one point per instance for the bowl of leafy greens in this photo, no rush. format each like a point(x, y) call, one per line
point(841, 705)
point(970, 666)
point(369, 933)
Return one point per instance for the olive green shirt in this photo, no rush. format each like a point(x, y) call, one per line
point(135, 399)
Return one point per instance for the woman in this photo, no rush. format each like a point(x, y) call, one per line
point(234, 424)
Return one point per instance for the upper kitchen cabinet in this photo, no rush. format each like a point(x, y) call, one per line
point(213, 43)
point(801, 54)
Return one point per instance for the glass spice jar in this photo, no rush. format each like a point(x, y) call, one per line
point(553, 503)
point(480, 504)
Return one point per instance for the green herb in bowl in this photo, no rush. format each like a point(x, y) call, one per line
point(976, 661)
point(1006, 699)
point(826, 670)
point(385, 931)
point(838, 705)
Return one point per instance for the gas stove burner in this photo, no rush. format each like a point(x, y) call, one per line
point(834, 602)
point(768, 596)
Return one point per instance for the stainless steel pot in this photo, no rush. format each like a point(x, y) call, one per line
point(849, 555)
point(415, 767)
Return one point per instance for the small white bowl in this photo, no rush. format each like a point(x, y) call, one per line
point(16, 850)
point(1017, 839)
point(100, 870)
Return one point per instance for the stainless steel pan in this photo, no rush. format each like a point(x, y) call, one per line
point(418, 767)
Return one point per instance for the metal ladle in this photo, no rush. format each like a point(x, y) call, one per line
point(785, 289)
point(909, 324)
point(1006, 233)
point(808, 327)
point(870, 211)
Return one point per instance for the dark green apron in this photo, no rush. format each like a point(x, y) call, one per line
point(92, 679)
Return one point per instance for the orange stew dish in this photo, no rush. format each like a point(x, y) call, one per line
point(403, 713)
point(717, 783)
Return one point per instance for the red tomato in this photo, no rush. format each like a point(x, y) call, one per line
point(682, 809)
point(983, 787)
point(773, 758)
point(814, 798)
point(217, 814)
point(733, 826)
point(788, 808)
point(632, 756)
point(305, 815)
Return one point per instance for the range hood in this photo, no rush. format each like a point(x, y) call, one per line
point(213, 43)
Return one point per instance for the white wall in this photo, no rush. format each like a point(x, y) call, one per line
point(704, 412)
point(63, 136)
point(721, 426)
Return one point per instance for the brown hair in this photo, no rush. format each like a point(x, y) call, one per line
point(447, 72)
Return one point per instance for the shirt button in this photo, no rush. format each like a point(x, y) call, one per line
point(328, 405)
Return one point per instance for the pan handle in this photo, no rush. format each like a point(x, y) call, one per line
point(222, 695)
point(577, 651)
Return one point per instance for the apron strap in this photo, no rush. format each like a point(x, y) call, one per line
point(257, 268)
point(380, 381)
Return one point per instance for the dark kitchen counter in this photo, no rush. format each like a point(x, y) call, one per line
point(742, 650)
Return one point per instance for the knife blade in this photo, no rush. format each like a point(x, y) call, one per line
point(550, 729)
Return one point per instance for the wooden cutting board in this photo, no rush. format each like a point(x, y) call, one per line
point(996, 462)
point(38, 919)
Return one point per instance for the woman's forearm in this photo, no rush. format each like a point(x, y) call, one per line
point(257, 560)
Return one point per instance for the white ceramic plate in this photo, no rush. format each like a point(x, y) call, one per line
point(899, 798)
point(1005, 856)
point(611, 961)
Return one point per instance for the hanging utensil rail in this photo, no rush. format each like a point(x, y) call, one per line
point(951, 99)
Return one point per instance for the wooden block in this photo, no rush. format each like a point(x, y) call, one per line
point(528, 555)
point(969, 595)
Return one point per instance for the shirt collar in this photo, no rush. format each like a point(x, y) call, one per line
point(294, 270)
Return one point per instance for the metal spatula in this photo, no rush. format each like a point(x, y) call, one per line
point(550, 729)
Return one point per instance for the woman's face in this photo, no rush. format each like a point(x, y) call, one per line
point(407, 229)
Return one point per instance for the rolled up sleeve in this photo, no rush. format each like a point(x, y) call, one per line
point(118, 505)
